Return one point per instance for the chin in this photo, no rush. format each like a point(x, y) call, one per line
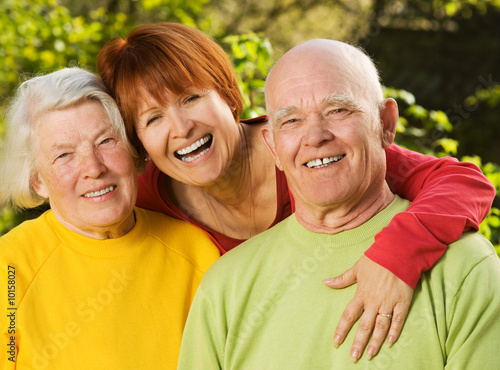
point(209, 177)
point(110, 217)
point(326, 197)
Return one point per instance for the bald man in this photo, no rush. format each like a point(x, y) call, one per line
point(263, 306)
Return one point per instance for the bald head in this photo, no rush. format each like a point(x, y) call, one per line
point(319, 59)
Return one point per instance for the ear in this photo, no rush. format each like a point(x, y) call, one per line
point(39, 186)
point(389, 116)
point(267, 136)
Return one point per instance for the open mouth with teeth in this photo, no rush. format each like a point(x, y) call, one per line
point(195, 150)
point(318, 163)
point(99, 193)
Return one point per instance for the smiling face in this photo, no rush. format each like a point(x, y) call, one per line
point(326, 133)
point(192, 138)
point(85, 171)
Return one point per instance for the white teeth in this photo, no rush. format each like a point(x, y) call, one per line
point(194, 146)
point(315, 163)
point(189, 159)
point(318, 163)
point(99, 193)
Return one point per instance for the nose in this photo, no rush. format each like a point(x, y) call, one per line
point(317, 131)
point(180, 123)
point(92, 164)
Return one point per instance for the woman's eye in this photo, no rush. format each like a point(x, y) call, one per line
point(63, 157)
point(106, 141)
point(192, 98)
point(152, 120)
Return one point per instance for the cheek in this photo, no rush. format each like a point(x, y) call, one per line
point(152, 140)
point(358, 136)
point(57, 183)
point(142, 137)
point(63, 183)
point(66, 172)
point(287, 146)
point(122, 162)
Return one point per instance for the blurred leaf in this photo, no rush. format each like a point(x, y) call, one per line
point(417, 111)
point(450, 146)
point(251, 57)
point(442, 120)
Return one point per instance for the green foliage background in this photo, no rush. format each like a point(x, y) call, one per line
point(39, 36)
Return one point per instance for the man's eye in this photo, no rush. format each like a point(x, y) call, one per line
point(288, 124)
point(64, 155)
point(339, 111)
point(288, 121)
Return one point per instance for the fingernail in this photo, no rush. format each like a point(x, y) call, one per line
point(370, 353)
point(354, 355)
point(336, 341)
point(328, 281)
point(390, 341)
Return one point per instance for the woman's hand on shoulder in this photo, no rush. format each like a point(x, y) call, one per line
point(378, 292)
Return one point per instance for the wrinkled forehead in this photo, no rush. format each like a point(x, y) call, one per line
point(82, 116)
point(307, 81)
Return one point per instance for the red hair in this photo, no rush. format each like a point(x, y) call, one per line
point(161, 57)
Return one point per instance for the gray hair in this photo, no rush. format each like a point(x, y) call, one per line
point(59, 90)
point(363, 65)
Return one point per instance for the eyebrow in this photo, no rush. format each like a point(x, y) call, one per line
point(341, 100)
point(60, 147)
point(143, 113)
point(283, 112)
point(329, 101)
point(148, 110)
point(151, 102)
point(105, 131)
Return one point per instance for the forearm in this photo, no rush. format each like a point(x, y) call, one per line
point(448, 197)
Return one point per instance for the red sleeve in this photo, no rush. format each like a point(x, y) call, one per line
point(448, 197)
point(148, 195)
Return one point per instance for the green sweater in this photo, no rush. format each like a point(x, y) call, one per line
point(264, 306)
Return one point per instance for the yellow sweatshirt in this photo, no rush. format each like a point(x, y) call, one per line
point(71, 302)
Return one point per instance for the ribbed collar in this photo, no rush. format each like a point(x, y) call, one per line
point(108, 248)
point(349, 237)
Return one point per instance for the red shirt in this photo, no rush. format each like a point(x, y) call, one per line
point(153, 195)
point(448, 197)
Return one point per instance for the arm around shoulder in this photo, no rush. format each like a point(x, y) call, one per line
point(449, 197)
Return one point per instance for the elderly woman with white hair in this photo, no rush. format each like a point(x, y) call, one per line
point(94, 282)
